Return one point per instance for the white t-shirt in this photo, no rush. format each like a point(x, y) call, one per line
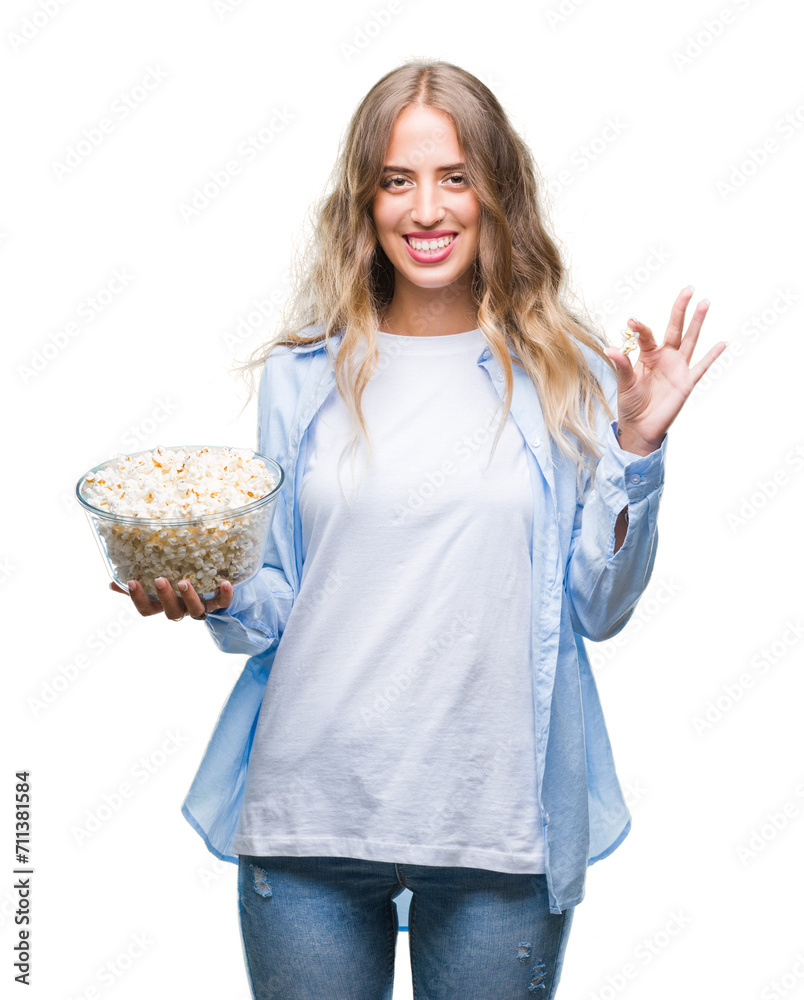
point(397, 721)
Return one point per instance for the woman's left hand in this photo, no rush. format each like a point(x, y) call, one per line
point(651, 392)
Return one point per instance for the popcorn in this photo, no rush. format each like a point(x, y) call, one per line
point(630, 340)
point(167, 484)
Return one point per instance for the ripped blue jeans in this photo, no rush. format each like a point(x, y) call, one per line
point(326, 926)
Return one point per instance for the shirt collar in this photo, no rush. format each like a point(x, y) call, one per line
point(336, 338)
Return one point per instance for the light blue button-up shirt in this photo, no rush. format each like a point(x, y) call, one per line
point(581, 590)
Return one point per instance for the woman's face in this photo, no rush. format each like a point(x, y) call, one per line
point(423, 196)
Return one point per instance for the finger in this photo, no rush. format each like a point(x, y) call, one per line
point(699, 370)
point(142, 602)
point(624, 368)
point(672, 337)
point(196, 605)
point(691, 336)
point(192, 602)
point(223, 600)
point(646, 338)
point(174, 610)
point(619, 358)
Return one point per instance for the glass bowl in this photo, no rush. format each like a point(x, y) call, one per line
point(206, 549)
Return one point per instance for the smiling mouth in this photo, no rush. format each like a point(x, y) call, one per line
point(430, 246)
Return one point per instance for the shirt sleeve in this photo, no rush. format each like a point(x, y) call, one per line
point(602, 587)
point(259, 610)
point(257, 615)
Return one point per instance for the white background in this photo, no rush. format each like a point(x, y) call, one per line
point(677, 910)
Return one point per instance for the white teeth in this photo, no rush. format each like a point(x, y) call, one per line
point(430, 244)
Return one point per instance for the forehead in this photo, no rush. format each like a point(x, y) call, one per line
point(423, 134)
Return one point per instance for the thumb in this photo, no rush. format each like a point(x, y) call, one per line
point(623, 367)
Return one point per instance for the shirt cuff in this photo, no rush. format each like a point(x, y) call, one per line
point(627, 477)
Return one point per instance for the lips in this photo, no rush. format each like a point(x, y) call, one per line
point(431, 256)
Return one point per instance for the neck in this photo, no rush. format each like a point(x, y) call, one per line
point(431, 312)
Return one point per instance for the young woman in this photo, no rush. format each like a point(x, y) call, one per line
point(417, 711)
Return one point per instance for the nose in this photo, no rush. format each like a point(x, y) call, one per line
point(427, 209)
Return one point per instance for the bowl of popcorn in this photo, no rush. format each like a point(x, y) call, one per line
point(186, 513)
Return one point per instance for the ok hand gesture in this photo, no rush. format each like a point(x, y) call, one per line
point(651, 393)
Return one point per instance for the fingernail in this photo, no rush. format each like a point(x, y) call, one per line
point(688, 288)
point(225, 585)
point(160, 582)
point(182, 585)
point(132, 584)
point(705, 302)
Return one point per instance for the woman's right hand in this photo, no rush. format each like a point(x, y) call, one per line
point(175, 608)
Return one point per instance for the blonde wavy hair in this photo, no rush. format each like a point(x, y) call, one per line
point(343, 281)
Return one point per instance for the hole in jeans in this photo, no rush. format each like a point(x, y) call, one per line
point(261, 886)
point(537, 977)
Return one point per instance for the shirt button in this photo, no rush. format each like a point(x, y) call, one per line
point(536, 442)
point(636, 479)
point(499, 376)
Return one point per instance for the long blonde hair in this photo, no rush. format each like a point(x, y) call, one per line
point(343, 280)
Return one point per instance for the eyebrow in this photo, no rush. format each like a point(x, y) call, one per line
point(408, 170)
